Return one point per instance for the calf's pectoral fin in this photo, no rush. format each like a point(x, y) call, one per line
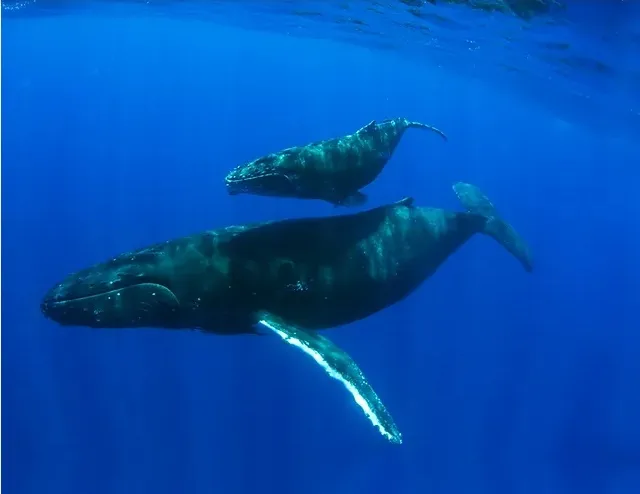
point(337, 363)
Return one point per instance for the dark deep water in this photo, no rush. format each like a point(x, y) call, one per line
point(117, 129)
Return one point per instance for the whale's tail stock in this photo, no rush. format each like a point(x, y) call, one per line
point(476, 202)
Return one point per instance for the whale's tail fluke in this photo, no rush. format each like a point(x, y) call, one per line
point(418, 125)
point(476, 202)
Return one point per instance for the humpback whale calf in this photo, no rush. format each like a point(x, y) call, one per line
point(291, 278)
point(333, 170)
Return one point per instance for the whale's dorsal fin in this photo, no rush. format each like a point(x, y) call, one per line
point(337, 363)
point(367, 128)
point(405, 201)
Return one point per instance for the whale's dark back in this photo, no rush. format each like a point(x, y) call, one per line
point(353, 161)
point(303, 270)
point(325, 272)
point(321, 239)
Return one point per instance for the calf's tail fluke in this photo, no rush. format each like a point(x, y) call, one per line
point(476, 202)
point(418, 125)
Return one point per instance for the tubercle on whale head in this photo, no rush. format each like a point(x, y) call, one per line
point(131, 290)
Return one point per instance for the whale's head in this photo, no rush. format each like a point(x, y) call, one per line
point(131, 290)
point(266, 176)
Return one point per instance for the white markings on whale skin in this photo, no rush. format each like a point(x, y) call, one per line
point(299, 286)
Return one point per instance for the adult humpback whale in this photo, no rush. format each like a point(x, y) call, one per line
point(292, 277)
point(333, 170)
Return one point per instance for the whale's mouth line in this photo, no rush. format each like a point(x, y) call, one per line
point(86, 297)
point(241, 180)
point(106, 293)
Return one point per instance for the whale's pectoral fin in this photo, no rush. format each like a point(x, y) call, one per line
point(370, 127)
point(337, 363)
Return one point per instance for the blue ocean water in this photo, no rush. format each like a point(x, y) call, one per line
point(119, 121)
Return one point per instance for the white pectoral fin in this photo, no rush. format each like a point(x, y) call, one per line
point(337, 363)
